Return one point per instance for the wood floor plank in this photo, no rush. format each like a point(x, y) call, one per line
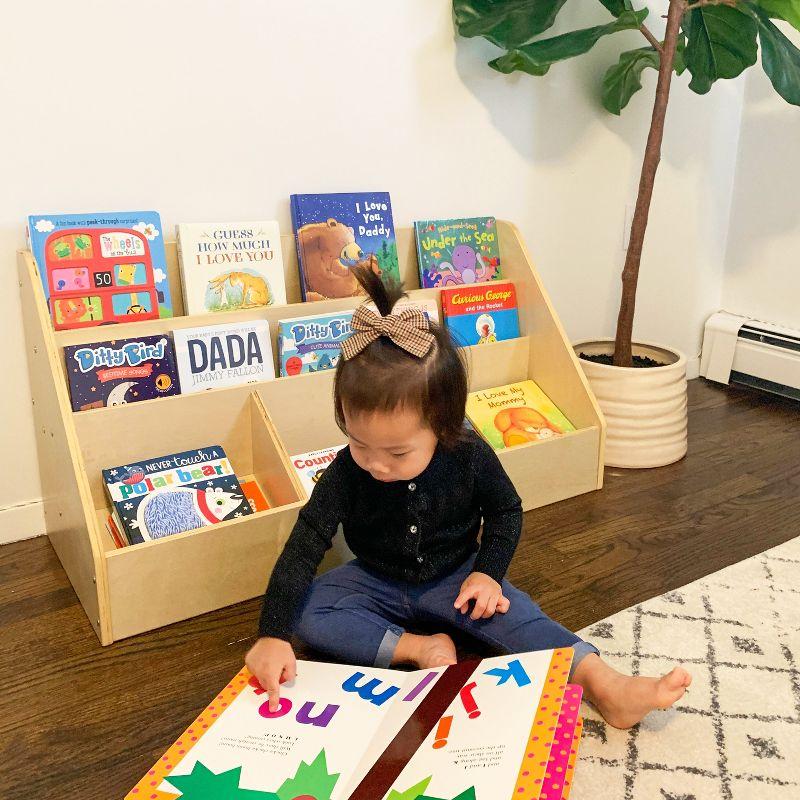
point(80, 720)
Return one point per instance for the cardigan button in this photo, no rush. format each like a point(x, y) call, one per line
point(420, 559)
point(412, 487)
point(413, 529)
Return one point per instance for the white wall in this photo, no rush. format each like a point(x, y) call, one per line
point(210, 110)
point(762, 266)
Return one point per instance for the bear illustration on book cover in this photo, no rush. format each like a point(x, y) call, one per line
point(335, 233)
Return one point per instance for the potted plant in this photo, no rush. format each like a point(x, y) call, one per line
point(641, 388)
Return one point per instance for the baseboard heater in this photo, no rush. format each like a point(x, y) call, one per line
point(740, 350)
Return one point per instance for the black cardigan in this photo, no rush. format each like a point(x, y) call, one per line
point(414, 531)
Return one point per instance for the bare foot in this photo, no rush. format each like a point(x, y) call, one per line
point(437, 650)
point(624, 699)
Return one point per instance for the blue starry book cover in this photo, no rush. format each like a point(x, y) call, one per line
point(120, 371)
point(336, 232)
point(178, 492)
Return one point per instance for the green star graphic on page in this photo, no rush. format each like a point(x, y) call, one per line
point(415, 793)
point(311, 782)
point(203, 784)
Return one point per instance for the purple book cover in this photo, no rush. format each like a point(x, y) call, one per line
point(121, 371)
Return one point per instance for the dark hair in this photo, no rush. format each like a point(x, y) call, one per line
point(383, 376)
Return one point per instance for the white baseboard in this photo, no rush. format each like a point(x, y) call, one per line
point(22, 521)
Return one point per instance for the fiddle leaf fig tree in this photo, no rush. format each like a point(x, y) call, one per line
point(712, 39)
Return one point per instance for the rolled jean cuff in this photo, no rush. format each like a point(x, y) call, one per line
point(581, 650)
point(388, 645)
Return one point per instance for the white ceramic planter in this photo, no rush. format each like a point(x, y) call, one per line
point(645, 408)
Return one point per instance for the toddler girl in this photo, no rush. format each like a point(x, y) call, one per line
point(411, 491)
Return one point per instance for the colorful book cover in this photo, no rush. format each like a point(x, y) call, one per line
point(226, 266)
point(336, 232)
point(476, 730)
point(252, 491)
point(557, 782)
point(120, 371)
point(515, 414)
point(481, 314)
point(453, 252)
point(223, 355)
point(312, 344)
point(174, 493)
point(310, 466)
point(102, 268)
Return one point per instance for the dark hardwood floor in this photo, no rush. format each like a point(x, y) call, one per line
point(80, 720)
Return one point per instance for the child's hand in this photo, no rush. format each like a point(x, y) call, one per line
point(272, 661)
point(486, 592)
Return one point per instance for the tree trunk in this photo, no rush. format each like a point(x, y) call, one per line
point(652, 155)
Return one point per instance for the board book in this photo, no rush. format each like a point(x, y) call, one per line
point(452, 252)
point(428, 306)
point(252, 491)
point(226, 266)
point(515, 414)
point(336, 232)
point(179, 492)
point(310, 466)
point(223, 355)
point(120, 371)
point(312, 344)
point(476, 730)
point(481, 314)
point(101, 268)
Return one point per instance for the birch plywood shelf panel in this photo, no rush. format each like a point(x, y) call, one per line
point(135, 589)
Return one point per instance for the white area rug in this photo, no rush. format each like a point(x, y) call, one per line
point(736, 735)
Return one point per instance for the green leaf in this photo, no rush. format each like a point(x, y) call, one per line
point(783, 9)
point(679, 62)
point(721, 44)
point(624, 78)
point(779, 57)
point(506, 23)
point(536, 58)
point(617, 7)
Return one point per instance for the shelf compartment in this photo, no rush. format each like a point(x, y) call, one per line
point(158, 582)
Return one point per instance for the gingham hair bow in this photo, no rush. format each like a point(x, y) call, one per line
point(409, 329)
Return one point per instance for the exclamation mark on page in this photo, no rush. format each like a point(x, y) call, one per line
point(468, 701)
point(442, 732)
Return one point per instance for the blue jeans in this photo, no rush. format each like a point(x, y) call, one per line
point(358, 615)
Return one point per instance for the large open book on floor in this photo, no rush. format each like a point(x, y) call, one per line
point(494, 729)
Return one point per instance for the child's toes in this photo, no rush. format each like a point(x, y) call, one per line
point(674, 684)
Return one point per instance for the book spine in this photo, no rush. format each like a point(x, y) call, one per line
point(187, 309)
point(296, 225)
point(281, 372)
point(419, 257)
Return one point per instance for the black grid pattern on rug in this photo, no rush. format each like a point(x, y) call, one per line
point(736, 734)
